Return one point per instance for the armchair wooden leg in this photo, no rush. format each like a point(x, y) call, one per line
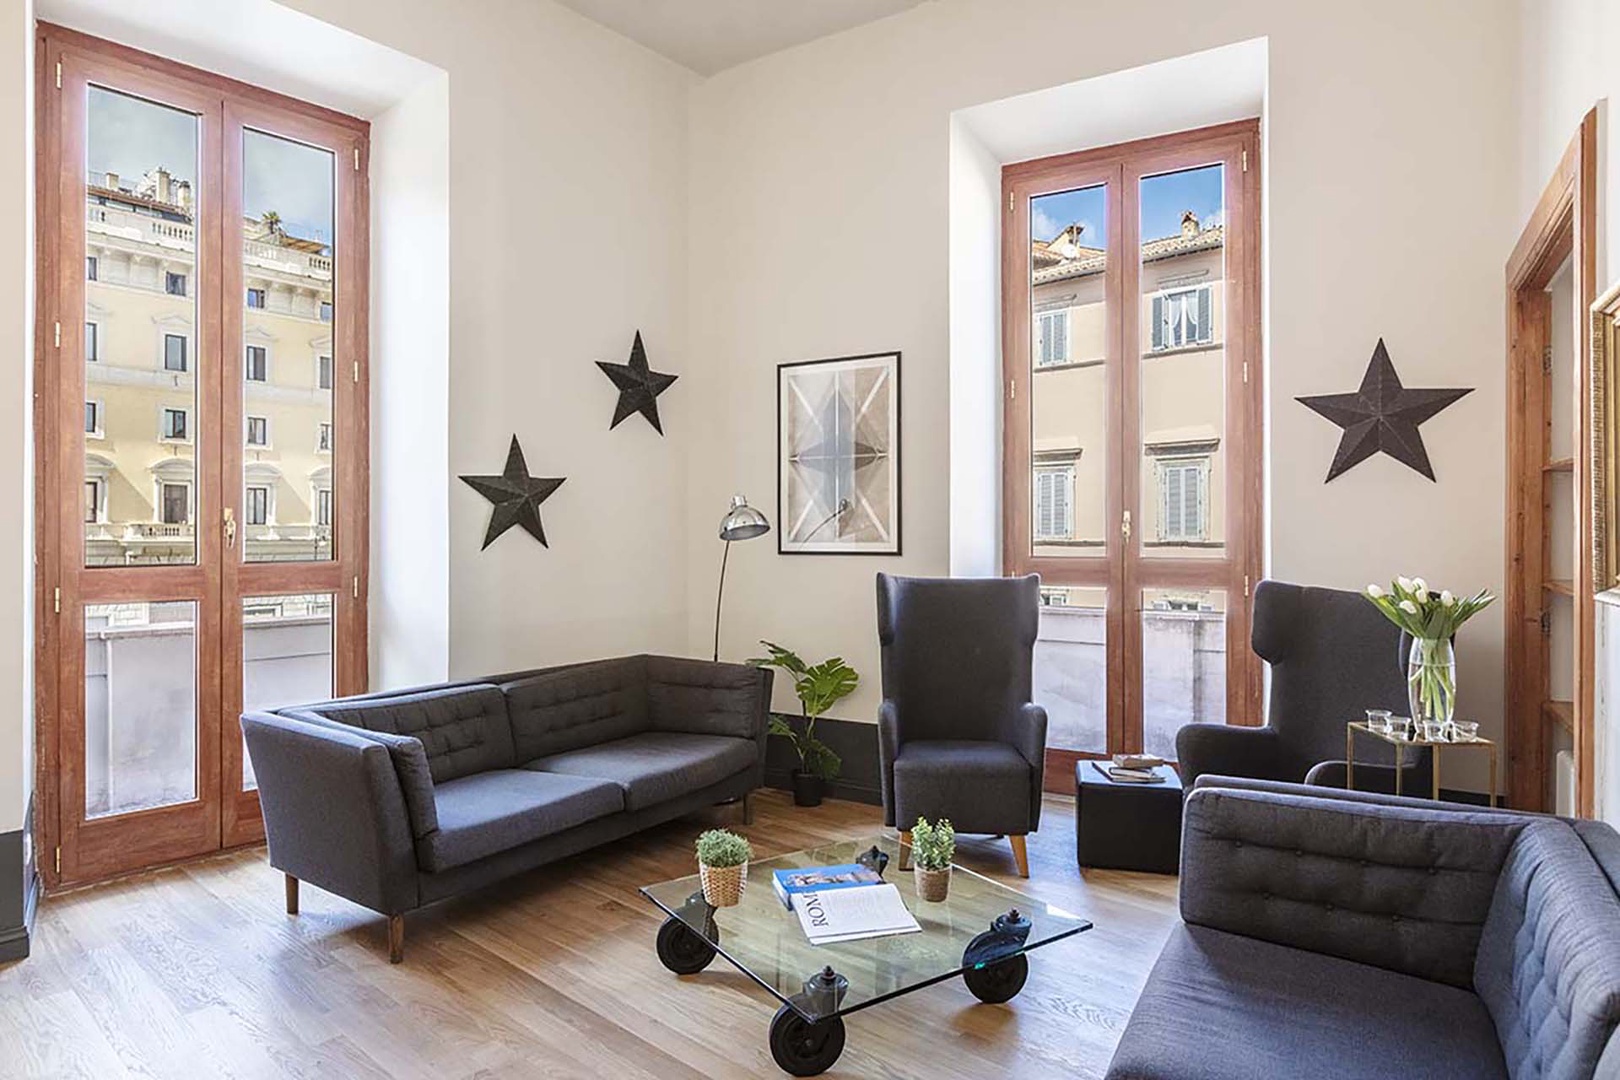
point(396, 938)
point(1020, 855)
point(905, 849)
point(292, 895)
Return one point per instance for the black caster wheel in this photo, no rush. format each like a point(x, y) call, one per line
point(802, 1048)
point(998, 982)
point(682, 949)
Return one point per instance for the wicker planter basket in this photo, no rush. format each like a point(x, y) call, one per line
point(723, 885)
point(933, 885)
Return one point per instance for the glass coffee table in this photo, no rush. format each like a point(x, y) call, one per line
point(981, 932)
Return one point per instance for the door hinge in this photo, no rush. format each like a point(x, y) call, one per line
point(59, 74)
point(1009, 202)
point(1012, 389)
point(1125, 526)
point(1245, 373)
point(357, 371)
point(56, 600)
point(57, 334)
point(356, 587)
point(58, 860)
point(357, 159)
point(1245, 161)
point(1245, 586)
point(1546, 360)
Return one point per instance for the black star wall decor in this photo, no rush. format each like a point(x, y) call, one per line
point(517, 497)
point(1382, 416)
point(639, 386)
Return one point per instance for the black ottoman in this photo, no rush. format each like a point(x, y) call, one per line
point(1127, 826)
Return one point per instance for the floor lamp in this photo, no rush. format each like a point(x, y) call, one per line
point(742, 522)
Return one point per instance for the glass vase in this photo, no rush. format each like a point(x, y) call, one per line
point(1431, 682)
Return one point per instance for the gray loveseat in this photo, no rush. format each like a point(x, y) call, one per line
point(395, 800)
point(1350, 935)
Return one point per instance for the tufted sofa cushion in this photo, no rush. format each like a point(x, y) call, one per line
point(1548, 967)
point(577, 706)
point(463, 729)
point(1397, 888)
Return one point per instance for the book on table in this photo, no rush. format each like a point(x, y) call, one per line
point(850, 914)
point(789, 883)
point(1121, 775)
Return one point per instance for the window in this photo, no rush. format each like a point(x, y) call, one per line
point(92, 418)
point(174, 503)
point(326, 311)
point(1182, 317)
point(323, 438)
point(257, 509)
point(92, 501)
point(92, 342)
point(1182, 497)
point(90, 268)
point(1053, 331)
point(174, 352)
point(1054, 502)
point(258, 431)
point(255, 298)
point(174, 284)
point(323, 372)
point(174, 425)
point(258, 363)
point(323, 507)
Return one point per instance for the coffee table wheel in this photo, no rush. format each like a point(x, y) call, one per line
point(682, 949)
point(803, 1048)
point(998, 982)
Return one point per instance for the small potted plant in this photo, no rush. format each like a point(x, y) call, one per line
point(818, 687)
point(723, 866)
point(932, 849)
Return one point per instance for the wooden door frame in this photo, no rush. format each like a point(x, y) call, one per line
point(1237, 146)
point(59, 272)
point(1562, 225)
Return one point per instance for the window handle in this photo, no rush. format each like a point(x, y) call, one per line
point(230, 527)
point(1125, 527)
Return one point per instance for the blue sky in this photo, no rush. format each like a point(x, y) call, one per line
point(1164, 199)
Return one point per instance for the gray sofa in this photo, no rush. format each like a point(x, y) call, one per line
point(398, 799)
point(1357, 935)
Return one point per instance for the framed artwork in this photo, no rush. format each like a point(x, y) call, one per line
point(1603, 414)
point(838, 456)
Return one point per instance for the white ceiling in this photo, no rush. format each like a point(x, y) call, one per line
point(712, 35)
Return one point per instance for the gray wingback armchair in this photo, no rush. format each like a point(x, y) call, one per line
point(958, 736)
point(1332, 657)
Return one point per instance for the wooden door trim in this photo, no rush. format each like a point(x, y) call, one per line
point(1562, 225)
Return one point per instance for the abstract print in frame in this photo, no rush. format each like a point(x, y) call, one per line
point(838, 456)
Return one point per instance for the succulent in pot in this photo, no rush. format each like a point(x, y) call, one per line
point(932, 849)
point(723, 866)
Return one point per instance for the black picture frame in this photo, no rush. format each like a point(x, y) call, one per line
point(784, 546)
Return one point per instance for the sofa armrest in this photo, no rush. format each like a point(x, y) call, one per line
point(410, 767)
point(1405, 888)
point(701, 697)
point(1369, 798)
point(888, 747)
point(334, 814)
point(1027, 735)
point(1230, 750)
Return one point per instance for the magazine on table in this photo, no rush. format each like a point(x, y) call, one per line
point(1121, 775)
point(803, 879)
point(847, 914)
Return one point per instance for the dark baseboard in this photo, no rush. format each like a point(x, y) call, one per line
point(854, 742)
point(19, 890)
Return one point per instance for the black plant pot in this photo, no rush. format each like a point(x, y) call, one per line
point(808, 788)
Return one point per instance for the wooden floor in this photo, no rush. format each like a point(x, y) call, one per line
point(198, 971)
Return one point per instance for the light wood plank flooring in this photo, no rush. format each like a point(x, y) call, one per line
point(198, 971)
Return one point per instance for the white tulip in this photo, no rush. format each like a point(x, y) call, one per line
point(1409, 607)
point(1375, 592)
point(1405, 583)
point(1420, 585)
point(1447, 599)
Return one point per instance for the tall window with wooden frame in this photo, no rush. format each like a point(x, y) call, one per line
point(1132, 456)
point(202, 550)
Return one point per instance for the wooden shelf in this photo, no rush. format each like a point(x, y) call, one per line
point(1561, 713)
point(1563, 464)
point(1559, 586)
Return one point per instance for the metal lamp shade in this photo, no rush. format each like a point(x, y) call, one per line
point(742, 522)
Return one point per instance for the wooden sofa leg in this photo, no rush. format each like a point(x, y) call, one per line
point(748, 808)
point(292, 895)
point(905, 849)
point(396, 938)
point(1020, 855)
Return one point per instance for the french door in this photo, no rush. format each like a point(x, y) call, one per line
point(1132, 478)
point(202, 439)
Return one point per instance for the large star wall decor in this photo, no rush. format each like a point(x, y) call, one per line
point(639, 386)
point(1382, 416)
point(516, 495)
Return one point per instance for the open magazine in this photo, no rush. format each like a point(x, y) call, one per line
point(846, 914)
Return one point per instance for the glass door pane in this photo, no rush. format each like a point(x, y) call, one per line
point(1071, 667)
point(141, 412)
point(287, 360)
point(1183, 663)
point(1068, 373)
point(1183, 364)
point(286, 655)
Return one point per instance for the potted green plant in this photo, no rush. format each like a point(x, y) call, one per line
point(932, 849)
point(723, 866)
point(1432, 619)
point(818, 687)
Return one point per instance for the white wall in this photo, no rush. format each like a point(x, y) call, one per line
point(820, 227)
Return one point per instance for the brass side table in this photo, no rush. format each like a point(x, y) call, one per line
point(1400, 745)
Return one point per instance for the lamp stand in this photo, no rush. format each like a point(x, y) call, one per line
point(719, 595)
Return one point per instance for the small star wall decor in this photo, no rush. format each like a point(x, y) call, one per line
point(639, 386)
point(1381, 416)
point(516, 496)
